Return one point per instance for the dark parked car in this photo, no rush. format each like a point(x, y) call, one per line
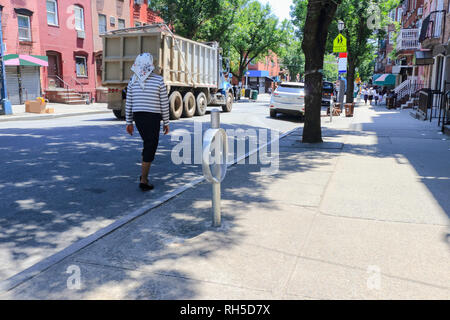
point(328, 93)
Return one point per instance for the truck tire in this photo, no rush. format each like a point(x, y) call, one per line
point(118, 114)
point(202, 103)
point(229, 105)
point(273, 113)
point(175, 105)
point(189, 105)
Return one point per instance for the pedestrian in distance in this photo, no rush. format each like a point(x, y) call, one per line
point(147, 104)
point(365, 95)
point(371, 94)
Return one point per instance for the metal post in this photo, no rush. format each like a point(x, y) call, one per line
point(215, 119)
point(6, 104)
point(215, 124)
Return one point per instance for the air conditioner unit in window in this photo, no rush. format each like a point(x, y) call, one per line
point(420, 11)
point(112, 21)
point(81, 34)
point(138, 1)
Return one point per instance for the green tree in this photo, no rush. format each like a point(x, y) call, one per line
point(319, 16)
point(293, 58)
point(330, 68)
point(364, 22)
point(255, 33)
point(220, 27)
point(187, 17)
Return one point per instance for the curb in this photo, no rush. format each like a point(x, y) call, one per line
point(46, 263)
point(52, 116)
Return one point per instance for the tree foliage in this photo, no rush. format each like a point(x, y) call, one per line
point(365, 23)
point(255, 33)
point(220, 27)
point(187, 17)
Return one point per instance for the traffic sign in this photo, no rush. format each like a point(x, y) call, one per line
point(342, 65)
point(340, 44)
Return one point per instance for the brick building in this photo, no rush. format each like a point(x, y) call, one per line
point(67, 40)
point(264, 73)
point(141, 14)
point(24, 64)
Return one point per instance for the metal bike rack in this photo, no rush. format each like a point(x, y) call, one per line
point(215, 151)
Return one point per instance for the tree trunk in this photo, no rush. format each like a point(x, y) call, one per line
point(318, 19)
point(350, 79)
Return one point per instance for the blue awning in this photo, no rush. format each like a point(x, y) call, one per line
point(258, 73)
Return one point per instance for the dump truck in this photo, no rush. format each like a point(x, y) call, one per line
point(193, 71)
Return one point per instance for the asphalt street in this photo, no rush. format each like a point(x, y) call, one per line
point(63, 179)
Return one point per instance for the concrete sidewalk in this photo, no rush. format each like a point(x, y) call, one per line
point(362, 216)
point(61, 110)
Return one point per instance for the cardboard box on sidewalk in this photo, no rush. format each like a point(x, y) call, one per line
point(50, 110)
point(35, 106)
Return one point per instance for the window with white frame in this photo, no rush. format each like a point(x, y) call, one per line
point(79, 18)
point(81, 66)
point(52, 12)
point(101, 23)
point(24, 28)
point(121, 24)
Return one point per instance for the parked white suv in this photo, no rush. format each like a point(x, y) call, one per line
point(288, 98)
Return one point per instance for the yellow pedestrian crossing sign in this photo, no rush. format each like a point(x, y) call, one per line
point(340, 44)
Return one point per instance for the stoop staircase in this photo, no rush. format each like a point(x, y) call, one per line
point(67, 96)
point(63, 93)
point(407, 97)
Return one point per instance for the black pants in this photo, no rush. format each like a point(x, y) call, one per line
point(148, 125)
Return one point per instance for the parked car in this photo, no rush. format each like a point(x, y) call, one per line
point(328, 93)
point(288, 98)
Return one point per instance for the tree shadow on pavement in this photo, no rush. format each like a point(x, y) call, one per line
point(143, 259)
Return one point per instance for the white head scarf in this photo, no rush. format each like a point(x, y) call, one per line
point(142, 68)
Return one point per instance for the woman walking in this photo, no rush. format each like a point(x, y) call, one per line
point(365, 95)
point(371, 94)
point(147, 104)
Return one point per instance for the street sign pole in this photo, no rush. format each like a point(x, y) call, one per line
point(6, 104)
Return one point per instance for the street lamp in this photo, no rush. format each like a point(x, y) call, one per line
point(341, 25)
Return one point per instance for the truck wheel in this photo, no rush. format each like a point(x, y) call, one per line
point(229, 105)
point(200, 110)
point(175, 105)
point(118, 114)
point(188, 105)
point(273, 113)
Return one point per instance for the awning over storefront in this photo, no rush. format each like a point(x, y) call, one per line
point(422, 58)
point(258, 73)
point(387, 79)
point(25, 60)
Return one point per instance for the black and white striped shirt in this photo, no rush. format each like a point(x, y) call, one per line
point(153, 98)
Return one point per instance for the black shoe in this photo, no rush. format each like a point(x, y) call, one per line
point(145, 186)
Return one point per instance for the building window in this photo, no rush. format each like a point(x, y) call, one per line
point(79, 18)
point(137, 24)
point(52, 12)
point(81, 66)
point(101, 23)
point(121, 24)
point(24, 28)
